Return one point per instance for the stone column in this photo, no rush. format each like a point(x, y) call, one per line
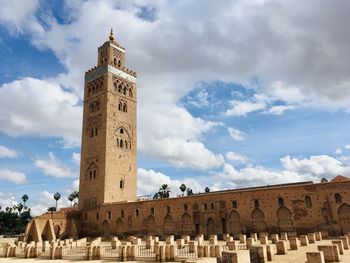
point(254, 236)
point(264, 240)
point(318, 236)
point(242, 239)
point(284, 236)
point(315, 257)
point(281, 247)
point(340, 245)
point(345, 240)
point(304, 241)
point(311, 237)
point(274, 238)
point(250, 242)
point(294, 243)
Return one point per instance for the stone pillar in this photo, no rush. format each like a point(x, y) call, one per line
point(217, 251)
point(231, 245)
point(268, 253)
point(170, 240)
point(318, 236)
point(340, 245)
point(228, 239)
point(200, 250)
point(200, 240)
point(264, 234)
point(192, 245)
point(315, 257)
point(213, 240)
point(254, 236)
point(274, 238)
point(149, 244)
point(242, 239)
point(162, 253)
point(284, 236)
point(212, 251)
point(88, 253)
point(304, 241)
point(281, 247)
point(294, 243)
point(250, 242)
point(123, 254)
point(186, 238)
point(52, 252)
point(345, 240)
point(262, 251)
point(206, 251)
point(311, 237)
point(330, 252)
point(264, 240)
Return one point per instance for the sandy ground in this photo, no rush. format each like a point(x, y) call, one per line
point(292, 256)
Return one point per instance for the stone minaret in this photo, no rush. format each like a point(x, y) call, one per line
point(108, 151)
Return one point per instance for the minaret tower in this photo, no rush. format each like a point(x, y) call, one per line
point(108, 151)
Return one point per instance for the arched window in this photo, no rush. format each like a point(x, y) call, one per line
point(94, 173)
point(119, 64)
point(137, 212)
point(205, 207)
point(121, 144)
point(126, 144)
point(97, 106)
point(130, 93)
point(91, 132)
point(120, 106)
point(115, 61)
point(256, 203)
point(124, 91)
point(117, 142)
point(185, 207)
point(308, 202)
point(168, 209)
point(212, 206)
point(280, 201)
point(121, 131)
point(97, 216)
point(122, 213)
point(338, 198)
point(234, 204)
point(95, 131)
point(90, 174)
point(120, 88)
point(152, 210)
point(125, 108)
point(121, 184)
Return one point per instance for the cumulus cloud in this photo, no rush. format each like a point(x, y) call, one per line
point(242, 108)
point(45, 201)
point(7, 200)
point(12, 176)
point(236, 134)
point(76, 158)
point(149, 182)
point(51, 166)
point(236, 158)
point(7, 153)
point(40, 107)
point(318, 166)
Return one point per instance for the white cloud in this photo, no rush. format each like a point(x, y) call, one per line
point(40, 107)
point(347, 146)
point(12, 176)
point(280, 109)
point(149, 182)
point(338, 151)
point(236, 134)
point(7, 153)
point(318, 166)
point(236, 158)
point(51, 166)
point(242, 108)
point(7, 200)
point(76, 158)
point(45, 201)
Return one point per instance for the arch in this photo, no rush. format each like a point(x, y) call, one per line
point(285, 220)
point(130, 93)
point(344, 218)
point(119, 226)
point(168, 225)
point(338, 198)
point(151, 225)
point(308, 202)
point(121, 144)
point(105, 228)
point(123, 132)
point(280, 201)
point(258, 220)
point(186, 224)
point(211, 227)
point(235, 223)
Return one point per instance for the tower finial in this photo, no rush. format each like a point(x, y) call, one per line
point(111, 35)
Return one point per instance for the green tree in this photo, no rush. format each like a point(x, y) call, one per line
point(71, 199)
point(164, 191)
point(207, 189)
point(25, 198)
point(183, 188)
point(57, 196)
point(156, 196)
point(52, 209)
point(189, 191)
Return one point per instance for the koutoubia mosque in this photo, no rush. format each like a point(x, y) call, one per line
point(108, 204)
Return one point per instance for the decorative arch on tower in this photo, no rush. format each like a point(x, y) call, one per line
point(122, 138)
point(91, 172)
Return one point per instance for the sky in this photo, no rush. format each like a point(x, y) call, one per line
point(230, 93)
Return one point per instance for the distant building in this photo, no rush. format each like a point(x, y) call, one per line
point(108, 205)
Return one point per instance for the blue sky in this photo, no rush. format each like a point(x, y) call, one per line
point(230, 94)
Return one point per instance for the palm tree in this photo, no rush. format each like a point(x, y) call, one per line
point(25, 199)
point(207, 189)
point(164, 191)
point(189, 191)
point(71, 198)
point(183, 188)
point(57, 196)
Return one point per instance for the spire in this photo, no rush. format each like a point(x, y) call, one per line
point(111, 35)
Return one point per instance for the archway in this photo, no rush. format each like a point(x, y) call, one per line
point(285, 221)
point(258, 220)
point(210, 227)
point(186, 223)
point(168, 225)
point(105, 228)
point(344, 218)
point(57, 230)
point(119, 226)
point(235, 223)
point(151, 225)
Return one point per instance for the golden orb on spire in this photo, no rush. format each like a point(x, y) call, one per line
point(111, 35)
